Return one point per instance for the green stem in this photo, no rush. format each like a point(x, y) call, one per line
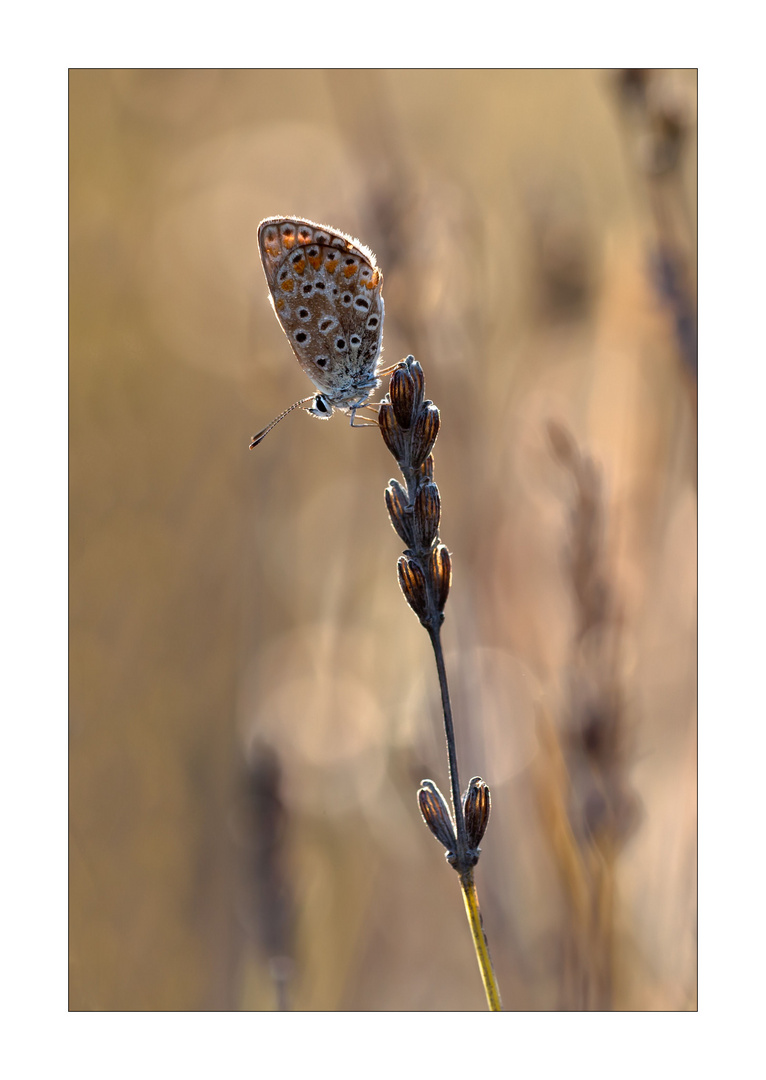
point(471, 900)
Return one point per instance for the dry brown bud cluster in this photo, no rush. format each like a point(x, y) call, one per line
point(436, 814)
point(409, 425)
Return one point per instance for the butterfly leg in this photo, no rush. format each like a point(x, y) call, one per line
point(366, 423)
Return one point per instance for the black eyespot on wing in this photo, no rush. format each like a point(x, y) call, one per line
point(302, 337)
point(340, 344)
point(322, 361)
point(360, 302)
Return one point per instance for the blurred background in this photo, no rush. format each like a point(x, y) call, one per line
point(252, 703)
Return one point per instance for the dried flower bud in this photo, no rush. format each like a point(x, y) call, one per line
point(427, 511)
point(413, 585)
point(396, 503)
point(390, 430)
point(424, 433)
point(441, 574)
point(427, 468)
point(476, 810)
point(402, 392)
point(433, 807)
point(418, 379)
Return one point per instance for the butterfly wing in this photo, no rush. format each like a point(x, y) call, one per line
point(325, 289)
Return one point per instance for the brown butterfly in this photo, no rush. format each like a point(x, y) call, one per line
point(325, 288)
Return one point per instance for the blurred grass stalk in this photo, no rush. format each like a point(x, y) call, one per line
point(588, 808)
point(657, 118)
point(409, 425)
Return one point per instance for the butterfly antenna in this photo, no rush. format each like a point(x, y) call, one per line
point(262, 434)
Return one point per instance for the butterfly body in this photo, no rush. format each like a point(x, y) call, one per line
point(325, 288)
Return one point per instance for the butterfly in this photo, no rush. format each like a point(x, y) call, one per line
point(326, 291)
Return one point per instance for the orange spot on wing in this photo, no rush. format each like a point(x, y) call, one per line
point(280, 304)
point(299, 267)
point(316, 261)
point(287, 286)
point(349, 271)
point(332, 264)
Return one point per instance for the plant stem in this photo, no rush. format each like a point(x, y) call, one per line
point(464, 863)
point(449, 731)
point(471, 901)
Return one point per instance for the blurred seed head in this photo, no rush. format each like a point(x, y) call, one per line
point(631, 84)
point(562, 444)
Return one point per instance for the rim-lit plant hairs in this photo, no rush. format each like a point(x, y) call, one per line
point(410, 424)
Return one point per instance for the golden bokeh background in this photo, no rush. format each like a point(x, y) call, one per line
point(252, 703)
